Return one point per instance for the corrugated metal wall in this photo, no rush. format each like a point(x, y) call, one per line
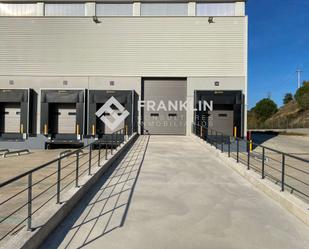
point(141, 46)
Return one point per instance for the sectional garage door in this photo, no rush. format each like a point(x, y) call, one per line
point(222, 121)
point(162, 112)
point(63, 119)
point(12, 118)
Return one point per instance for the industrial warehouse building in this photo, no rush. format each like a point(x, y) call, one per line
point(61, 61)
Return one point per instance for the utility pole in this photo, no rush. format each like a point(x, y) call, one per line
point(298, 71)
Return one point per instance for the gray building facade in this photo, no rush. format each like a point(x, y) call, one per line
point(161, 50)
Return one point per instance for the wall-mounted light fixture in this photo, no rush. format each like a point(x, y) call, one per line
point(217, 83)
point(11, 82)
point(211, 20)
point(96, 20)
point(65, 82)
point(112, 83)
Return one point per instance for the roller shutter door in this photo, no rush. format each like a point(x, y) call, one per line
point(166, 121)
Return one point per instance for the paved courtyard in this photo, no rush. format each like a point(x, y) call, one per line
point(171, 192)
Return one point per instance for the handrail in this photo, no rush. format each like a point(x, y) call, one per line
point(260, 145)
point(64, 153)
point(91, 160)
point(47, 163)
point(245, 156)
point(15, 152)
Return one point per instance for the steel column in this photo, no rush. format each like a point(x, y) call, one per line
point(58, 180)
point(29, 217)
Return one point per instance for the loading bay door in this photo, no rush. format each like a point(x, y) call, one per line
point(221, 121)
point(65, 118)
point(12, 118)
point(104, 128)
point(168, 121)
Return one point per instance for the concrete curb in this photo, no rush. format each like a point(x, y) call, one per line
point(289, 202)
point(56, 213)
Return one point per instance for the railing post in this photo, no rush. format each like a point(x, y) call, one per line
point(237, 142)
point(222, 143)
point(29, 219)
point(125, 134)
point(90, 155)
point(229, 147)
point(112, 144)
point(99, 154)
point(216, 141)
point(248, 160)
point(77, 169)
point(283, 172)
point(210, 140)
point(123, 137)
point(105, 151)
point(116, 140)
point(263, 163)
point(119, 138)
point(58, 180)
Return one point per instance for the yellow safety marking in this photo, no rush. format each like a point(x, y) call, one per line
point(235, 131)
point(45, 129)
point(77, 129)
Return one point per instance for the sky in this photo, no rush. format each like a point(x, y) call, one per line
point(278, 45)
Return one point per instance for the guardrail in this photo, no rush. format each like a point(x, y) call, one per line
point(24, 195)
point(17, 152)
point(291, 172)
point(2, 151)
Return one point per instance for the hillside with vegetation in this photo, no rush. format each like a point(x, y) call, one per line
point(293, 114)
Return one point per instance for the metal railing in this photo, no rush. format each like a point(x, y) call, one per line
point(24, 195)
point(290, 171)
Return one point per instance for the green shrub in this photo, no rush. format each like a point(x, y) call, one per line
point(265, 108)
point(302, 96)
point(287, 98)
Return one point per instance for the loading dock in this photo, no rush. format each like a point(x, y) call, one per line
point(97, 98)
point(15, 109)
point(63, 115)
point(167, 117)
point(227, 112)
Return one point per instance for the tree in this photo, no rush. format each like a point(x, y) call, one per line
point(265, 108)
point(288, 97)
point(302, 96)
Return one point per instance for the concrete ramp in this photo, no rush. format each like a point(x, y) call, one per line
point(172, 192)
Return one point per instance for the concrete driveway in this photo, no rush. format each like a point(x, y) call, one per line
point(171, 192)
